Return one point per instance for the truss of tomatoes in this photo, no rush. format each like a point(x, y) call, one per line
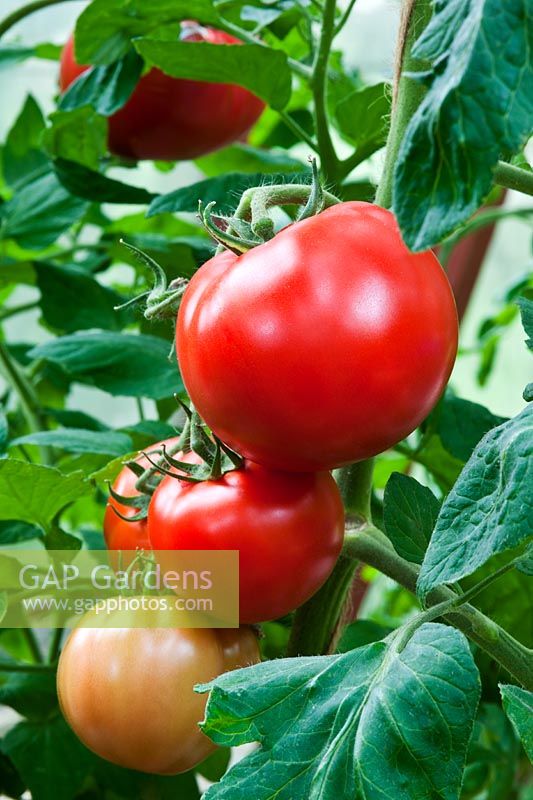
point(324, 346)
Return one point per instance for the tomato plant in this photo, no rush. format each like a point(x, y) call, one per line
point(281, 524)
point(241, 229)
point(167, 118)
point(106, 678)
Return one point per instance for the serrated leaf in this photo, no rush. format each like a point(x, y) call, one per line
point(368, 724)
point(121, 364)
point(224, 190)
point(489, 508)
point(461, 425)
point(39, 213)
point(362, 116)
point(518, 704)
point(36, 494)
point(526, 313)
point(105, 28)
point(90, 185)
point(22, 156)
point(410, 511)
point(75, 440)
point(72, 299)
point(106, 89)
point(477, 108)
point(262, 70)
point(79, 136)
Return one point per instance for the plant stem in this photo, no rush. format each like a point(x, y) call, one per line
point(12, 311)
point(35, 417)
point(19, 667)
point(20, 13)
point(407, 92)
point(318, 622)
point(55, 645)
point(514, 657)
point(345, 17)
point(297, 129)
point(521, 180)
point(315, 627)
point(33, 645)
point(328, 157)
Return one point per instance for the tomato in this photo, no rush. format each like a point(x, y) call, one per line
point(118, 533)
point(172, 119)
point(288, 529)
point(324, 346)
point(128, 692)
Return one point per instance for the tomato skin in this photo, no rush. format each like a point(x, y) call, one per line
point(324, 346)
point(175, 119)
point(288, 529)
point(128, 692)
point(118, 533)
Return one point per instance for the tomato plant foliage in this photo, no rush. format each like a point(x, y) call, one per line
point(319, 336)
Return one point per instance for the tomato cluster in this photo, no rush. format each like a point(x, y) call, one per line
point(171, 119)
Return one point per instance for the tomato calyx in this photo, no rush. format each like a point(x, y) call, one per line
point(163, 299)
point(216, 459)
point(252, 224)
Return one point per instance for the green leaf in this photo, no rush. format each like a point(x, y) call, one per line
point(518, 704)
point(360, 633)
point(14, 531)
point(477, 109)
point(72, 299)
point(215, 765)
point(13, 53)
point(105, 28)
point(368, 724)
point(36, 494)
point(121, 364)
point(49, 757)
point(410, 511)
point(262, 70)
point(223, 190)
point(488, 510)
point(4, 430)
point(83, 182)
point(22, 156)
point(79, 136)
point(525, 562)
point(75, 440)
point(39, 213)
point(245, 158)
point(106, 89)
point(526, 312)
point(362, 117)
point(461, 425)
point(492, 757)
point(32, 695)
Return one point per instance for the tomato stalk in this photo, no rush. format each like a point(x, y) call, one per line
point(328, 157)
point(20, 13)
point(369, 545)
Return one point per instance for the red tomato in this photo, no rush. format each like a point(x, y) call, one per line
point(288, 529)
point(119, 534)
point(171, 119)
point(128, 692)
point(324, 346)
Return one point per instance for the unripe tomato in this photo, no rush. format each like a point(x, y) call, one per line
point(119, 534)
point(128, 692)
point(288, 529)
point(173, 119)
point(325, 345)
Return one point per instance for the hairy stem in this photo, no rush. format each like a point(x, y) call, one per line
point(318, 623)
point(20, 13)
point(366, 546)
point(513, 177)
point(328, 157)
point(16, 378)
point(407, 92)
